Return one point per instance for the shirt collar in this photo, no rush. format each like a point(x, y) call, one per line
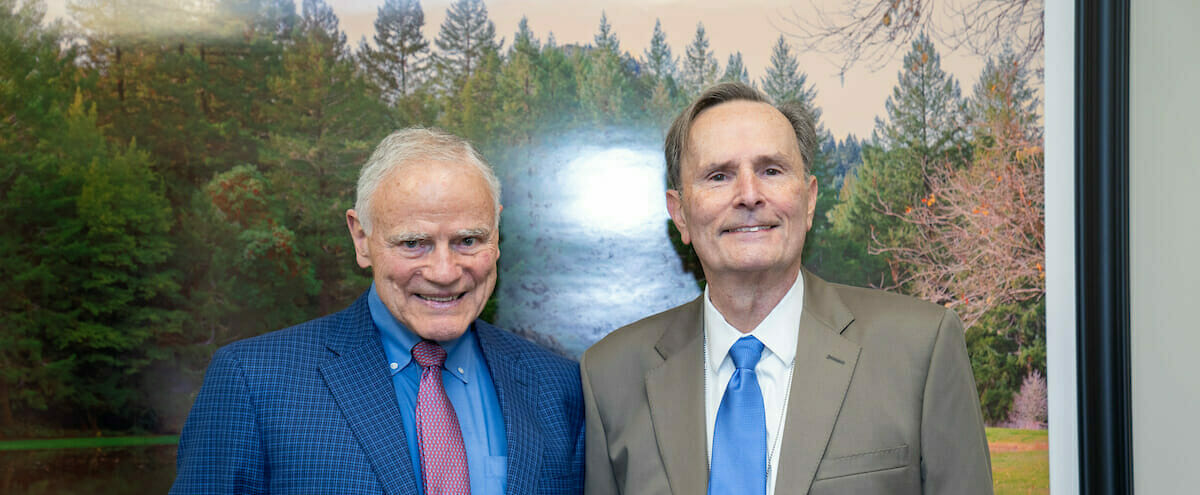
point(461, 353)
point(777, 331)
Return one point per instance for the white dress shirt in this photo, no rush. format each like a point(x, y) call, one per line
point(777, 332)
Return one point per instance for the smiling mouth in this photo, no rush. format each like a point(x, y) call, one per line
point(752, 228)
point(441, 299)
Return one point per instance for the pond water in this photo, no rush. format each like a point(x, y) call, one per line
point(92, 471)
point(584, 251)
point(584, 246)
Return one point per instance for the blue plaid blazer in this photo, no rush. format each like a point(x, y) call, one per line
point(311, 409)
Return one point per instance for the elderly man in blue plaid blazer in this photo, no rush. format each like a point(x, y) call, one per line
point(328, 406)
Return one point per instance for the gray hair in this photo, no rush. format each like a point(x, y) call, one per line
point(677, 136)
point(412, 144)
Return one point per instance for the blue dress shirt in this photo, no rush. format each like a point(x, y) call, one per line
point(468, 385)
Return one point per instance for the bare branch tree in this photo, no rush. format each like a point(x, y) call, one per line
point(873, 31)
point(980, 240)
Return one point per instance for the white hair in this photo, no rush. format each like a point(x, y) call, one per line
point(416, 144)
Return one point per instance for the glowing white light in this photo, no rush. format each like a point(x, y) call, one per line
point(617, 189)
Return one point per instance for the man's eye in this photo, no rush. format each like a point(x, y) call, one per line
point(411, 244)
point(468, 242)
point(718, 177)
point(773, 171)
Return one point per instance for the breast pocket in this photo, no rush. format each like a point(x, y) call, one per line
point(866, 462)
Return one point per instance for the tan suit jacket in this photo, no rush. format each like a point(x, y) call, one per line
point(882, 401)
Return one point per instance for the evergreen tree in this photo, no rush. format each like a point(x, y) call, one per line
point(605, 39)
point(318, 16)
point(1003, 108)
point(399, 56)
point(473, 112)
point(700, 68)
point(324, 122)
point(735, 70)
point(559, 90)
point(605, 86)
point(848, 153)
point(521, 83)
point(663, 104)
point(924, 129)
point(84, 278)
point(925, 109)
point(465, 37)
point(784, 81)
point(657, 58)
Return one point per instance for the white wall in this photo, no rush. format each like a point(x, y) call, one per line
point(1164, 187)
point(1060, 247)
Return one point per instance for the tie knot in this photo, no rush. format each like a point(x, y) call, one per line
point(746, 352)
point(429, 354)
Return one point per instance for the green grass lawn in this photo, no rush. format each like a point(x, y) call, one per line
point(1015, 472)
point(87, 442)
point(1022, 471)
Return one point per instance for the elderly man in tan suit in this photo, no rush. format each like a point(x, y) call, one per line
point(775, 381)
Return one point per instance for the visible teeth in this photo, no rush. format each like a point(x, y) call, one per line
point(750, 229)
point(439, 299)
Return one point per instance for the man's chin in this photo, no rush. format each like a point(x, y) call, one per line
point(444, 330)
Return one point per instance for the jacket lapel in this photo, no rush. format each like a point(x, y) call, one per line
point(675, 391)
point(358, 379)
point(514, 384)
point(824, 364)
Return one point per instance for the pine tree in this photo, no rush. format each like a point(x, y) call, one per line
point(398, 59)
point(83, 264)
point(1003, 108)
point(521, 83)
point(473, 112)
point(735, 70)
point(324, 121)
point(318, 17)
point(925, 109)
point(700, 68)
point(464, 39)
point(924, 129)
point(605, 39)
point(784, 81)
point(605, 86)
point(657, 58)
point(560, 89)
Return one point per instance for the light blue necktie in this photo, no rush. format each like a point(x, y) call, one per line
point(739, 451)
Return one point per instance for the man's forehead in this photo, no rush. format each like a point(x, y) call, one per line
point(741, 127)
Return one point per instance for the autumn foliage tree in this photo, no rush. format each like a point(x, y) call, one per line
point(980, 237)
point(978, 242)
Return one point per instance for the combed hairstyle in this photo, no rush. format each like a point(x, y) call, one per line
point(677, 136)
point(408, 146)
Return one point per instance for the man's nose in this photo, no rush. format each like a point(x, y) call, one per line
point(749, 191)
point(444, 267)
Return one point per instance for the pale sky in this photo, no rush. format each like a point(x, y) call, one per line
point(751, 26)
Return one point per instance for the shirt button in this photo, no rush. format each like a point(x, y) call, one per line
point(394, 365)
point(460, 371)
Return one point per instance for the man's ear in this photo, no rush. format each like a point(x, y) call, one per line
point(812, 198)
point(362, 250)
point(497, 233)
point(675, 209)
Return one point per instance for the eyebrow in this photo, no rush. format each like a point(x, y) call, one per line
point(474, 233)
point(408, 237)
point(421, 237)
point(772, 158)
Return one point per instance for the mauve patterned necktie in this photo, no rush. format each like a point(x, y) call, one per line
point(443, 456)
